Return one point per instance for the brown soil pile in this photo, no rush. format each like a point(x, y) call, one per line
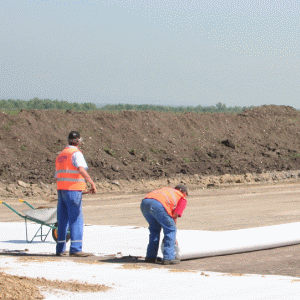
point(143, 145)
point(25, 288)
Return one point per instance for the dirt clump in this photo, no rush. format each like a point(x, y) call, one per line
point(25, 288)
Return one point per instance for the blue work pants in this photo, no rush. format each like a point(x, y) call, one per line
point(158, 218)
point(69, 215)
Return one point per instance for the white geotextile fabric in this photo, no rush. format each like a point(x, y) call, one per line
point(45, 215)
point(131, 240)
point(132, 283)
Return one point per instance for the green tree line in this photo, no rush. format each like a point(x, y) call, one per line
point(219, 107)
point(37, 103)
point(11, 105)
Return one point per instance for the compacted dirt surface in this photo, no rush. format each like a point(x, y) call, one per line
point(242, 171)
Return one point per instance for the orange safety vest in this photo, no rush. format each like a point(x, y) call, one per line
point(67, 176)
point(168, 197)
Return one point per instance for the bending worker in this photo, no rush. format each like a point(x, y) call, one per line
point(161, 208)
point(71, 177)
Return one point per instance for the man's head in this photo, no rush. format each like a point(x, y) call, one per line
point(74, 138)
point(182, 189)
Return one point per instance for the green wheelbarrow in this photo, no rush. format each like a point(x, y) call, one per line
point(43, 216)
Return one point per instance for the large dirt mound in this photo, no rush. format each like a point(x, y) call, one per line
point(151, 145)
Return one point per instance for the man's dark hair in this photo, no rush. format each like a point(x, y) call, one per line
point(74, 138)
point(182, 188)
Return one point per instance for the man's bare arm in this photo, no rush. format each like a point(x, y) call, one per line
point(88, 179)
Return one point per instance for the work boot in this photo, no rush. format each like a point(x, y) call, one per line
point(80, 254)
point(171, 262)
point(153, 260)
point(150, 260)
point(62, 254)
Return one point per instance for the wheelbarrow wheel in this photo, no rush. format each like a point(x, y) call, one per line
point(55, 236)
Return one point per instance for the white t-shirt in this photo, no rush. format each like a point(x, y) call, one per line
point(78, 159)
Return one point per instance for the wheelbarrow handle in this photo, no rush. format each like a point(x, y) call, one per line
point(24, 201)
point(11, 208)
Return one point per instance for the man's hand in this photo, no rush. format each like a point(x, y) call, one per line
point(93, 189)
point(175, 216)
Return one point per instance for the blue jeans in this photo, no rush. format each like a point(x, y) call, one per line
point(69, 214)
point(158, 219)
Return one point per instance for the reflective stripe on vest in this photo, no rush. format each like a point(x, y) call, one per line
point(70, 180)
point(168, 197)
point(67, 171)
point(67, 176)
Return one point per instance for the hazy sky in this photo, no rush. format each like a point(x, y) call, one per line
point(169, 52)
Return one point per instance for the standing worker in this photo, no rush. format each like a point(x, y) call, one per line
point(161, 208)
point(71, 177)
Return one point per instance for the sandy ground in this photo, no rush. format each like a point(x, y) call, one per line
point(227, 208)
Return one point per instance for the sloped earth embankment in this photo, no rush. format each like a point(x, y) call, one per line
point(132, 148)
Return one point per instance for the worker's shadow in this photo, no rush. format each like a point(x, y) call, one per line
point(126, 260)
point(26, 243)
point(122, 259)
point(23, 253)
point(115, 258)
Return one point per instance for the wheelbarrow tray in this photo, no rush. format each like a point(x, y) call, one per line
point(45, 216)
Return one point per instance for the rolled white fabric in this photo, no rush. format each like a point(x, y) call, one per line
point(196, 244)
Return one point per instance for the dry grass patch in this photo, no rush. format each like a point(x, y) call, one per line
point(181, 271)
point(234, 274)
point(134, 267)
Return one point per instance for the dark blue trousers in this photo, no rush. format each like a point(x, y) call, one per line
point(158, 218)
point(69, 215)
